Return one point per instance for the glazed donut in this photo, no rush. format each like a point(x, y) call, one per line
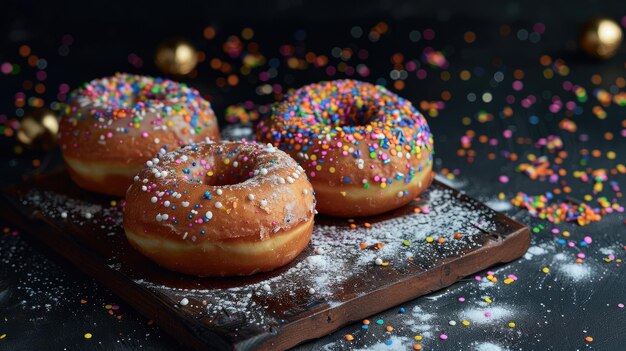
point(220, 209)
point(365, 149)
point(111, 126)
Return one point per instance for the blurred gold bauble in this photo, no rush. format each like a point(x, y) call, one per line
point(601, 38)
point(176, 57)
point(38, 129)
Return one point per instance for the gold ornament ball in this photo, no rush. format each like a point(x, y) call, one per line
point(176, 57)
point(601, 38)
point(38, 129)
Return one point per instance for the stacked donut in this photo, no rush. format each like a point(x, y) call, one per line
point(237, 208)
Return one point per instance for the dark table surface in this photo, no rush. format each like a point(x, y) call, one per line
point(502, 87)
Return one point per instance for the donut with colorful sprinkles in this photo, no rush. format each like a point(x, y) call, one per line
point(365, 149)
point(111, 126)
point(220, 209)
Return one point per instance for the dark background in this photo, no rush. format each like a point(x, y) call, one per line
point(40, 296)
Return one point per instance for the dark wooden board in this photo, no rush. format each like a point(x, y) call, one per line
point(275, 310)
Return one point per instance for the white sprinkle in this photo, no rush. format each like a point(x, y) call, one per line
point(157, 140)
point(166, 203)
point(145, 180)
point(185, 204)
point(319, 251)
point(263, 171)
point(88, 215)
point(235, 164)
point(250, 197)
point(305, 192)
point(400, 194)
point(218, 205)
point(263, 203)
point(136, 178)
point(219, 191)
point(164, 174)
point(452, 323)
point(159, 217)
point(154, 199)
point(281, 180)
point(63, 214)
point(184, 302)
point(290, 180)
point(149, 163)
point(295, 175)
point(144, 188)
point(208, 214)
point(311, 291)
point(165, 216)
point(266, 287)
point(378, 262)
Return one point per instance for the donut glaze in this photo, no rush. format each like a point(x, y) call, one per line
point(220, 209)
point(365, 149)
point(112, 125)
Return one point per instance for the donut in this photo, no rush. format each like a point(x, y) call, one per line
point(365, 149)
point(111, 126)
point(220, 209)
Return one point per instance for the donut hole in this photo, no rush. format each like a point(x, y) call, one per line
point(228, 177)
point(352, 113)
point(144, 96)
point(222, 174)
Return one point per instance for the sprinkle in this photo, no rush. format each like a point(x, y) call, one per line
point(208, 214)
point(511, 324)
point(88, 336)
point(378, 262)
point(250, 197)
point(443, 337)
point(184, 301)
point(218, 205)
point(349, 337)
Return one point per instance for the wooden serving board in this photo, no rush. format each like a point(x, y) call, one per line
point(335, 281)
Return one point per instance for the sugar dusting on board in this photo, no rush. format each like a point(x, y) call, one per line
point(342, 252)
point(406, 243)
